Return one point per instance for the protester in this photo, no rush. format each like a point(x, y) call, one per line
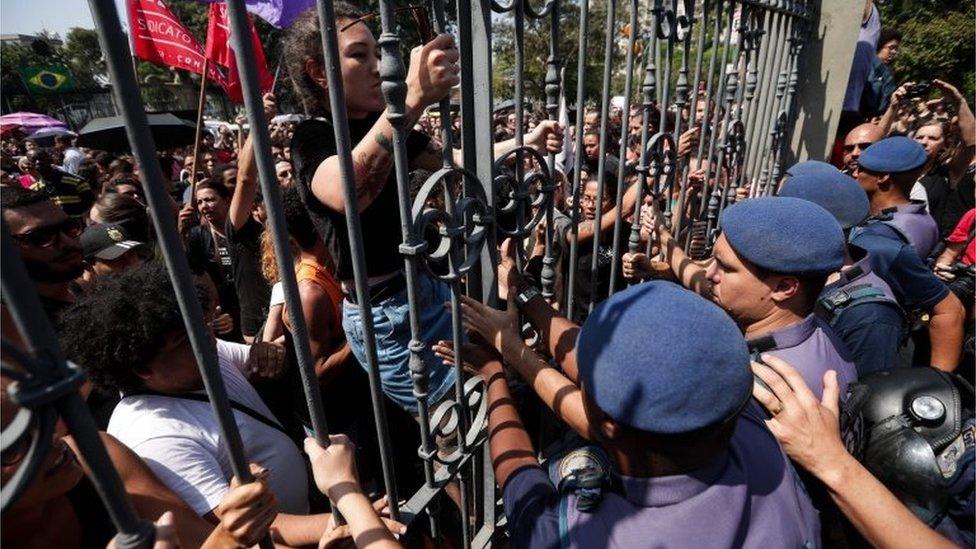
point(69, 192)
point(433, 72)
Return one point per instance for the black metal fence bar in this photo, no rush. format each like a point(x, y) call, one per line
point(624, 143)
point(577, 192)
point(602, 161)
point(48, 391)
point(340, 122)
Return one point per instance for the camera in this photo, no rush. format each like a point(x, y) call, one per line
point(919, 90)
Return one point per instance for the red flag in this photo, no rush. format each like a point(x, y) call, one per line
point(219, 51)
point(158, 36)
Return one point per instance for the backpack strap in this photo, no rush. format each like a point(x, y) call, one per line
point(830, 306)
point(242, 408)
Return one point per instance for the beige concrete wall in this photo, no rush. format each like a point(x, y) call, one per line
point(822, 92)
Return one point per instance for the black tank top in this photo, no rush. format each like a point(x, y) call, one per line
point(313, 142)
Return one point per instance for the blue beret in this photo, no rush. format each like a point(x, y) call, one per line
point(836, 192)
point(785, 235)
point(810, 166)
point(893, 155)
point(661, 359)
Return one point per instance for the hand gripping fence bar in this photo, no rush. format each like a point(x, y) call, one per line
point(46, 388)
point(125, 90)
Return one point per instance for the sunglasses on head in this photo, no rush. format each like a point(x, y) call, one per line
point(45, 237)
point(852, 146)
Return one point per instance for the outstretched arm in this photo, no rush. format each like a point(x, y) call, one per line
point(809, 431)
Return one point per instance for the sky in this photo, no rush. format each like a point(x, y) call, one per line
point(56, 16)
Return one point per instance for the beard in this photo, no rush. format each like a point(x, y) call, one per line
point(63, 269)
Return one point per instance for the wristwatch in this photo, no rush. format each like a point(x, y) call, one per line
point(526, 294)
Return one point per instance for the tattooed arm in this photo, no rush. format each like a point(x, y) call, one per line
point(546, 137)
point(433, 72)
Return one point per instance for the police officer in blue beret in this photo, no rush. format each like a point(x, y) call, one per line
point(900, 236)
point(682, 457)
point(887, 171)
point(857, 304)
point(767, 271)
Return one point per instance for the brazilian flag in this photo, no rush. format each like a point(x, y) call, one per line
point(47, 78)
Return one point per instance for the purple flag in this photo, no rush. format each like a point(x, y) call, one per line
point(279, 13)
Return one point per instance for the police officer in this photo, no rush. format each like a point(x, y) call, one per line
point(887, 171)
point(767, 271)
point(691, 463)
point(857, 304)
point(900, 235)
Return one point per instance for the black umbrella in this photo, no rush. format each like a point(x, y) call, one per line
point(108, 134)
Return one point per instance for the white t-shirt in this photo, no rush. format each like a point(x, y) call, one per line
point(918, 192)
point(179, 440)
point(277, 294)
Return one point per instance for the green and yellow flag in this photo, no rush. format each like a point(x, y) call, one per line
point(47, 78)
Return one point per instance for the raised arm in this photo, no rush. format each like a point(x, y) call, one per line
point(247, 173)
point(433, 72)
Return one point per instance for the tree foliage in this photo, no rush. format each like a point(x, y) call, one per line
point(937, 43)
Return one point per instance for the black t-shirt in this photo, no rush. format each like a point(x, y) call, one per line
point(313, 142)
point(253, 291)
point(212, 257)
point(585, 285)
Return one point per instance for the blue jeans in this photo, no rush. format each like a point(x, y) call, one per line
point(391, 327)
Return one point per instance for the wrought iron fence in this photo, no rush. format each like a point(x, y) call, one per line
point(727, 69)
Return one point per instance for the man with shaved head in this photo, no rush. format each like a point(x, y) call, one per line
point(858, 139)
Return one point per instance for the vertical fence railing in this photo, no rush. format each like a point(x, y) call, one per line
point(742, 58)
point(113, 44)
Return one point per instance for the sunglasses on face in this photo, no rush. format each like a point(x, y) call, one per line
point(852, 146)
point(45, 237)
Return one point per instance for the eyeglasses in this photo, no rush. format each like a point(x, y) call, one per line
point(45, 237)
point(852, 146)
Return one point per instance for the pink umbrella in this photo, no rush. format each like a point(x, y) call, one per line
point(29, 122)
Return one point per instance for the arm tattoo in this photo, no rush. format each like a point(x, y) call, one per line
point(370, 173)
point(383, 141)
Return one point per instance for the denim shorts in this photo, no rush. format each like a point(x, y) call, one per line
point(391, 327)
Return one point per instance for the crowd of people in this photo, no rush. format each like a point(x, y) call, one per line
point(762, 393)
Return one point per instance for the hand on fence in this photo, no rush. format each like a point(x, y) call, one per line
point(265, 360)
point(636, 266)
point(333, 466)
point(807, 428)
point(688, 141)
point(508, 275)
point(499, 328)
point(248, 510)
point(187, 219)
point(478, 356)
point(166, 537)
point(546, 137)
point(433, 72)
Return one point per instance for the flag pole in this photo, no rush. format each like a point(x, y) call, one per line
point(196, 139)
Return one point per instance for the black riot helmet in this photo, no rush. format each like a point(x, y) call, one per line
point(912, 421)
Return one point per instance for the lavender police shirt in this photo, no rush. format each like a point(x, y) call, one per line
point(914, 221)
point(812, 348)
point(873, 329)
point(749, 497)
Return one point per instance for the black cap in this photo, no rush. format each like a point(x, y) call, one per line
point(107, 241)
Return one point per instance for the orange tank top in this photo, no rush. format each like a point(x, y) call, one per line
point(318, 275)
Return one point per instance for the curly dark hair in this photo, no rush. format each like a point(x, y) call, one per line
point(302, 42)
point(115, 329)
point(300, 226)
point(18, 197)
